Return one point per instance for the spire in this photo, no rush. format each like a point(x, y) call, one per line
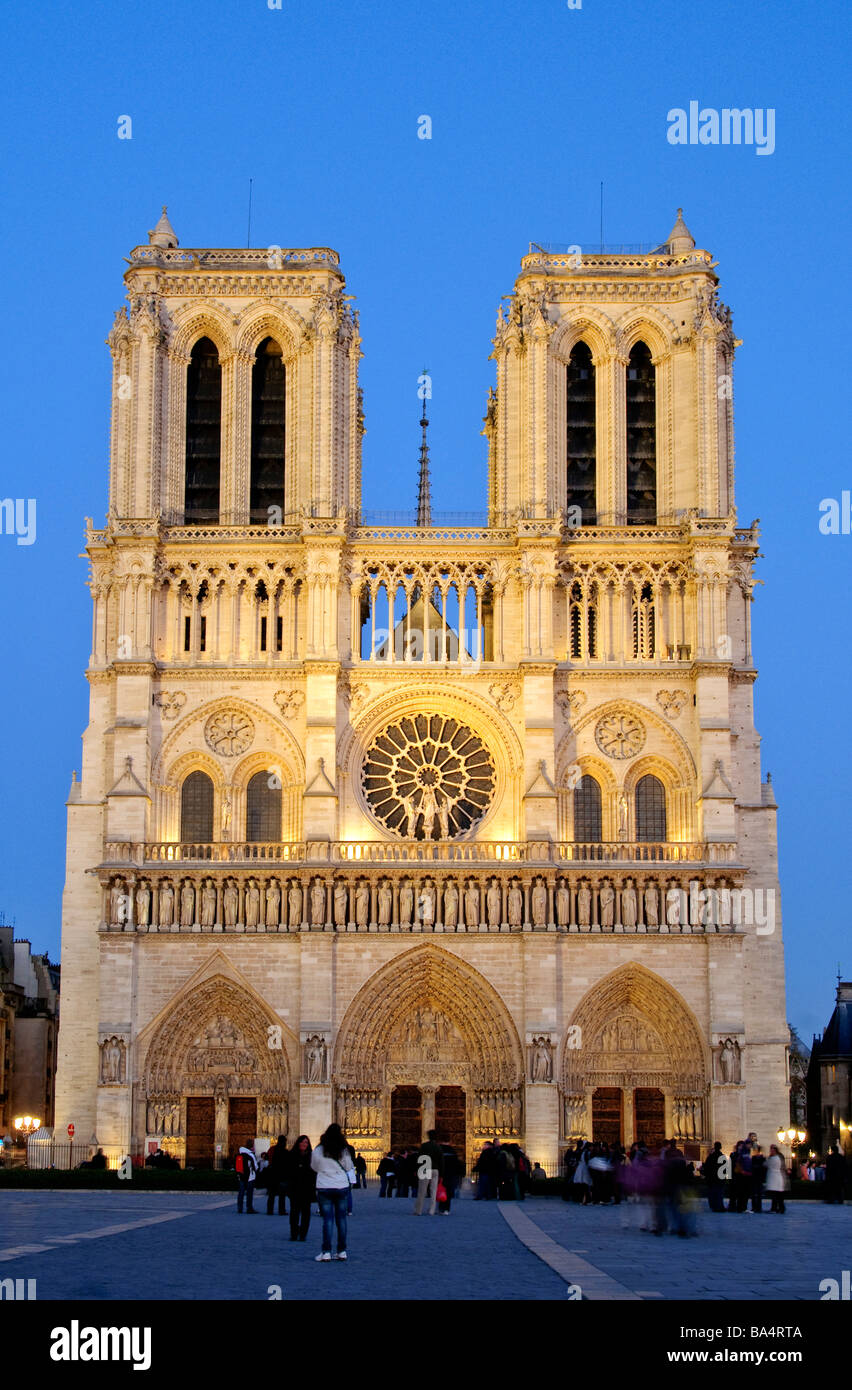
point(164, 233)
point(424, 487)
point(680, 238)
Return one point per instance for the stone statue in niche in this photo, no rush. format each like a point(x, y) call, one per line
point(493, 903)
point(410, 817)
point(652, 909)
point(315, 1060)
point(362, 904)
point(143, 903)
point(385, 903)
point(230, 902)
point(429, 809)
point(516, 904)
point(208, 903)
point(294, 904)
point(118, 903)
point(318, 903)
point(406, 903)
point(563, 904)
point(539, 903)
point(187, 904)
point(541, 1059)
point(273, 903)
point(471, 905)
point(444, 819)
point(426, 904)
point(167, 904)
point(451, 905)
point(584, 905)
point(607, 900)
point(628, 904)
point(341, 897)
point(113, 1061)
point(252, 903)
point(729, 1062)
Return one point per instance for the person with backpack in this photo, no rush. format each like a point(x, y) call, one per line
point(301, 1186)
point(332, 1164)
point(246, 1169)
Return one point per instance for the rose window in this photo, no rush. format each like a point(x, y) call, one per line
point(428, 777)
point(619, 735)
point(229, 733)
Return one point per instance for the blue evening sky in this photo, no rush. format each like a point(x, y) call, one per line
point(532, 104)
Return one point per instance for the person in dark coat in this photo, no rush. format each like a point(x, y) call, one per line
point(758, 1178)
point(714, 1170)
point(276, 1177)
point(387, 1175)
point(301, 1184)
point(835, 1175)
point(449, 1177)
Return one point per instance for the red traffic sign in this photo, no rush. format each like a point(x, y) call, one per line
point(70, 1131)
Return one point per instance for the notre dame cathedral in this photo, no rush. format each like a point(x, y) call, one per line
point(426, 825)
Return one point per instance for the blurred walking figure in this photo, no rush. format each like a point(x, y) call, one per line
point(430, 1166)
point(758, 1177)
point(714, 1170)
point(332, 1164)
point(486, 1172)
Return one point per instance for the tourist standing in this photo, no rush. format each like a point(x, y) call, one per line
point(301, 1186)
point(835, 1175)
point(758, 1177)
point(486, 1172)
point(332, 1164)
point(276, 1177)
point(713, 1171)
point(361, 1170)
point(246, 1166)
point(387, 1175)
point(776, 1179)
point(430, 1166)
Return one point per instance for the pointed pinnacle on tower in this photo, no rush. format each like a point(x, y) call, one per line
point(680, 238)
point(164, 233)
point(424, 486)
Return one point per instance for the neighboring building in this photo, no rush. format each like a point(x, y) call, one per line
point(29, 1023)
point(799, 1059)
point(422, 824)
point(829, 1079)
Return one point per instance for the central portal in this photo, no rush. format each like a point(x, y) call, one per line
point(450, 1105)
point(406, 1118)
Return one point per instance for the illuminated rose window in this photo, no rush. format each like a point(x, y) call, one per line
point(428, 777)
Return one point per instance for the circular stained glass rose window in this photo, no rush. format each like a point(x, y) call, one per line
point(428, 777)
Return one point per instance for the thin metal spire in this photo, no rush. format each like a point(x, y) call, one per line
point(424, 486)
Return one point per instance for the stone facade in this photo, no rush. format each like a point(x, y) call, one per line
point(474, 810)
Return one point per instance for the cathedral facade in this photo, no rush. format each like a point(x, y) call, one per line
point(424, 825)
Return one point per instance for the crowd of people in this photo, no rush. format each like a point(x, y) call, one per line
point(661, 1188)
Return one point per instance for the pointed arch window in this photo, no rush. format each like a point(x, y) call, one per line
point(587, 811)
point(581, 447)
point(644, 624)
point(263, 808)
point(582, 621)
point(196, 809)
point(641, 438)
point(268, 383)
point(650, 809)
point(203, 434)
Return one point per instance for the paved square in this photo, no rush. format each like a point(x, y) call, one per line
point(90, 1245)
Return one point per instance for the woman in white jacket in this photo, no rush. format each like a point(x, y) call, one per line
point(776, 1178)
point(332, 1164)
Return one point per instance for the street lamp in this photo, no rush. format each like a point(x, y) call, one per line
point(25, 1125)
point(792, 1137)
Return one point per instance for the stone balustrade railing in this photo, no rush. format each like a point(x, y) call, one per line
point(391, 852)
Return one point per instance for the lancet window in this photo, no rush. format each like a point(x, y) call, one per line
point(203, 434)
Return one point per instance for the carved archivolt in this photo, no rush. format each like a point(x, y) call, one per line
point(217, 1036)
point(632, 1029)
point(459, 1028)
point(188, 735)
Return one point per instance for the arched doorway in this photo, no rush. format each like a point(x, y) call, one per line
point(210, 1078)
point(641, 1072)
point(427, 1039)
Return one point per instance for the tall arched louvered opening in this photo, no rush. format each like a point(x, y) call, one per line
point(581, 448)
point(650, 809)
point(641, 438)
point(587, 811)
point(263, 808)
point(196, 809)
point(203, 434)
point(268, 382)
